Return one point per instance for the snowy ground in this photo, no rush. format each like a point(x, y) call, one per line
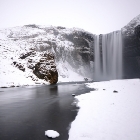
point(108, 115)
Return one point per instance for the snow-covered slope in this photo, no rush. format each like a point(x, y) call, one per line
point(10, 75)
point(72, 49)
point(128, 30)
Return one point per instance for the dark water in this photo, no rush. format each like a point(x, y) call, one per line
point(27, 112)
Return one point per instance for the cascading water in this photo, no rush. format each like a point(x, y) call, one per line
point(108, 56)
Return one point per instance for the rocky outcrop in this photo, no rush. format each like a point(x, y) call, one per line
point(46, 68)
point(19, 66)
point(24, 55)
point(43, 65)
point(131, 48)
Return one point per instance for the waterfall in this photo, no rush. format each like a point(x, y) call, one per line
point(108, 56)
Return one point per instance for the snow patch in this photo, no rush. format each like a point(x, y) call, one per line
point(67, 74)
point(52, 134)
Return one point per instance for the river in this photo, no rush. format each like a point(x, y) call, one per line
point(27, 112)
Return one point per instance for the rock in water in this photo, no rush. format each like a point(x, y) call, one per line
point(52, 134)
point(46, 68)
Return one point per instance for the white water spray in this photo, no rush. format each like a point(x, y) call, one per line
point(108, 57)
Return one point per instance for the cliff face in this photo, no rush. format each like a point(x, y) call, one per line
point(131, 48)
point(24, 47)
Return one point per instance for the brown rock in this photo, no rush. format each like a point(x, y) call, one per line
point(46, 68)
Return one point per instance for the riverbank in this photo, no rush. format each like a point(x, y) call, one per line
point(111, 112)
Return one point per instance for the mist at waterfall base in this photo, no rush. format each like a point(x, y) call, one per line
point(108, 56)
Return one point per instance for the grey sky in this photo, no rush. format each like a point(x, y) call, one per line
point(96, 16)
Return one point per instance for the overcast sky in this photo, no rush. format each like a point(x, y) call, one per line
point(96, 16)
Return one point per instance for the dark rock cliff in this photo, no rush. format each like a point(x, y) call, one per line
point(131, 48)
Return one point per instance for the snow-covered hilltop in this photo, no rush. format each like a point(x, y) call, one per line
point(129, 28)
point(22, 47)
